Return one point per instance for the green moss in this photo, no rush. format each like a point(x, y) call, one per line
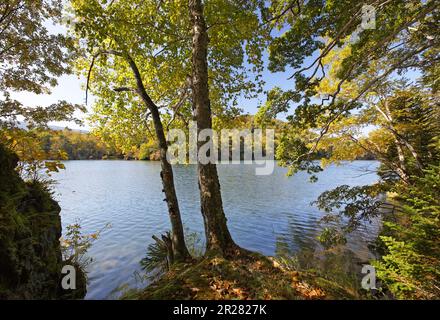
point(30, 228)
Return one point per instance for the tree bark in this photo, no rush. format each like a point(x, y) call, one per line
point(401, 168)
point(400, 142)
point(180, 251)
point(218, 237)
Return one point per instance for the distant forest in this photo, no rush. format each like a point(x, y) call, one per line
point(75, 145)
point(70, 144)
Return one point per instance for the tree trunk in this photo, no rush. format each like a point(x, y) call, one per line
point(180, 251)
point(400, 142)
point(401, 168)
point(218, 238)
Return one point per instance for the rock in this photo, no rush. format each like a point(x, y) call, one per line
point(30, 229)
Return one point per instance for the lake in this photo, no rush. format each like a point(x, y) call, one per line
point(265, 213)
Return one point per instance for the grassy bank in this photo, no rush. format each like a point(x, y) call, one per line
point(252, 276)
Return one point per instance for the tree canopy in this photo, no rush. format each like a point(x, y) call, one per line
point(157, 36)
point(32, 58)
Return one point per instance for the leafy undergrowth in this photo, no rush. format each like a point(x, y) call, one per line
point(252, 276)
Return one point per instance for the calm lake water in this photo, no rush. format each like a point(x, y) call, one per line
point(265, 213)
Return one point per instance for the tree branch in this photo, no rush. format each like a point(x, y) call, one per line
point(102, 52)
point(124, 89)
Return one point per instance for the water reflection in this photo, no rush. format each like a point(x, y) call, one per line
point(268, 214)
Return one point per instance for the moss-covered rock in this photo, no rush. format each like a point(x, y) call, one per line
point(30, 228)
